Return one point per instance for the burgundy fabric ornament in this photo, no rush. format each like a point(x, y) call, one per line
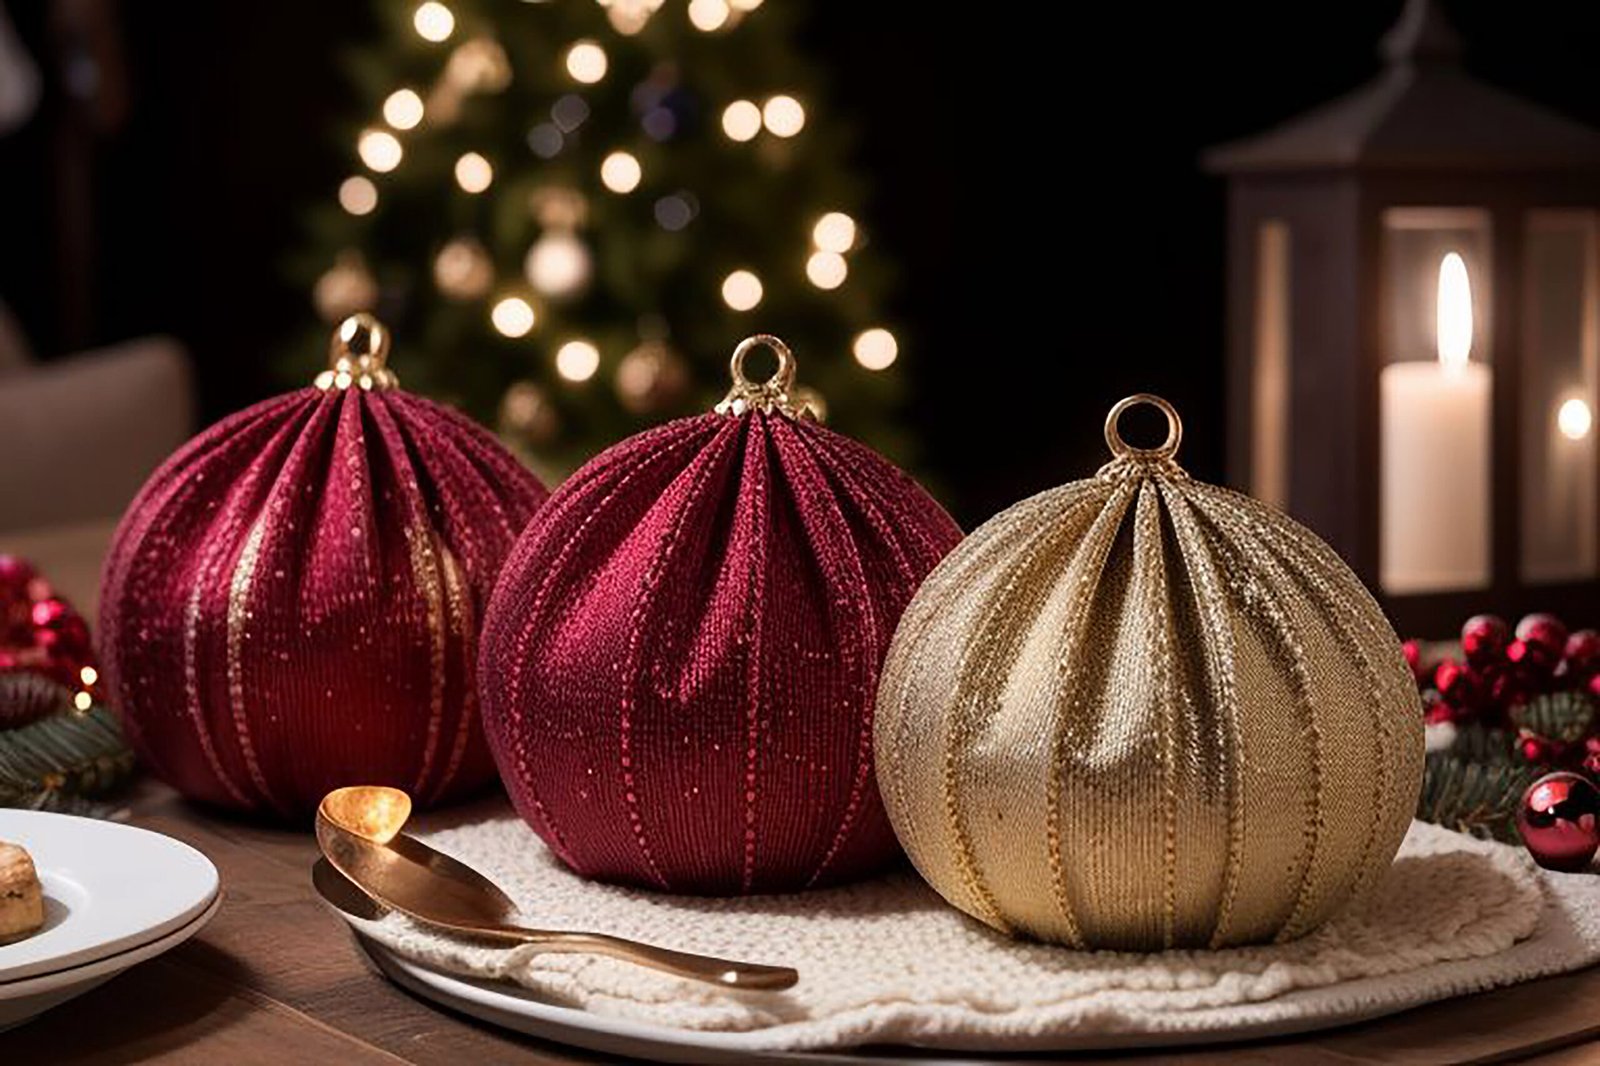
point(680, 660)
point(291, 604)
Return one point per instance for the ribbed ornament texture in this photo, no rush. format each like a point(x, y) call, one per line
point(292, 602)
point(1142, 712)
point(680, 659)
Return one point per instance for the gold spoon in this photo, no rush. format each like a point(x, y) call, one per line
point(358, 830)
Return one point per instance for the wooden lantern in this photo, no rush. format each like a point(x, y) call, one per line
point(1414, 352)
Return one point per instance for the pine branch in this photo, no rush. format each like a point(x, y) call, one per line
point(63, 761)
point(1564, 717)
point(1474, 786)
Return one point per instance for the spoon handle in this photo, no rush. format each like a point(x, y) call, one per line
point(723, 972)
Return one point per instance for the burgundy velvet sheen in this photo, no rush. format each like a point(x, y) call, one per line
point(291, 604)
point(680, 660)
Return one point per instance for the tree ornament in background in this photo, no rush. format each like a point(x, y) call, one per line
point(346, 289)
point(1559, 820)
point(291, 604)
point(680, 658)
point(476, 66)
point(527, 415)
point(463, 269)
point(598, 173)
point(652, 378)
point(1141, 712)
point(558, 265)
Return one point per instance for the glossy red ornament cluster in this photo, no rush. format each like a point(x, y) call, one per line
point(292, 603)
point(1501, 671)
point(1559, 821)
point(681, 657)
point(40, 633)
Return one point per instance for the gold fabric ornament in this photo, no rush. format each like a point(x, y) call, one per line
point(1142, 712)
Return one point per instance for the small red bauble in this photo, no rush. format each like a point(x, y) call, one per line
point(681, 658)
point(1484, 638)
point(292, 602)
point(1537, 659)
point(15, 573)
point(1545, 630)
point(1559, 819)
point(1459, 684)
point(1412, 650)
point(1582, 653)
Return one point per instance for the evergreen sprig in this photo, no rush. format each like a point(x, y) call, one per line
point(66, 760)
point(1474, 785)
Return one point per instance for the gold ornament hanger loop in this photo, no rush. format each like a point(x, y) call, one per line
point(1125, 456)
point(773, 394)
point(358, 355)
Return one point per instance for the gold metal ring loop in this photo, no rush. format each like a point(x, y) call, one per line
point(782, 379)
point(1166, 450)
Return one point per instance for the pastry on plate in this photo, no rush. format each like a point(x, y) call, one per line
point(21, 898)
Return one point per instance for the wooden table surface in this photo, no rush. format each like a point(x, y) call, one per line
point(275, 978)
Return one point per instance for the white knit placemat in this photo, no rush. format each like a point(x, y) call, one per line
point(889, 962)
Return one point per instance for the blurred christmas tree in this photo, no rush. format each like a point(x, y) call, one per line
point(570, 212)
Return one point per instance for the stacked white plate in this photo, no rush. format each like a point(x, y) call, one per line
point(114, 896)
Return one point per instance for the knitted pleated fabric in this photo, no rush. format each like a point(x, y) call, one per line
point(680, 660)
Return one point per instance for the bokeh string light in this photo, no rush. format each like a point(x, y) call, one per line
point(577, 360)
point(586, 62)
point(358, 195)
point(433, 21)
point(403, 109)
point(876, 349)
point(513, 316)
point(620, 172)
point(380, 150)
point(741, 290)
point(474, 173)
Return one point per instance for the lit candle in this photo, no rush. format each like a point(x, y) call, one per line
point(1435, 456)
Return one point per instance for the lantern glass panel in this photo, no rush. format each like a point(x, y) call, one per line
point(1558, 397)
point(1435, 400)
point(1269, 381)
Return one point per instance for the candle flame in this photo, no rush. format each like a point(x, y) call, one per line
point(1454, 336)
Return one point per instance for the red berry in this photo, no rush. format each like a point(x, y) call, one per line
point(14, 576)
point(1536, 749)
point(1591, 764)
point(1582, 652)
point(1484, 638)
point(1535, 658)
point(1546, 630)
point(1435, 711)
point(49, 612)
point(1412, 650)
point(1459, 685)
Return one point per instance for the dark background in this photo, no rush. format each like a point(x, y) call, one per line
point(1035, 167)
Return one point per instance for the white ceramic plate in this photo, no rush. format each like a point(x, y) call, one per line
point(28, 998)
point(108, 888)
point(516, 1008)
